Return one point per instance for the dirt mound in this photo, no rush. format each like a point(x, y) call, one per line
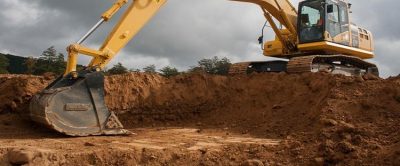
point(328, 119)
point(219, 100)
point(155, 98)
point(17, 90)
point(322, 119)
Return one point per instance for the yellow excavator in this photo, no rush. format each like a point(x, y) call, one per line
point(317, 37)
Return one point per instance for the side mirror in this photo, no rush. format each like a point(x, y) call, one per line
point(329, 9)
point(261, 40)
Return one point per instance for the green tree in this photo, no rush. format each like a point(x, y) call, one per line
point(118, 69)
point(4, 63)
point(150, 69)
point(60, 64)
point(169, 71)
point(213, 66)
point(30, 63)
point(222, 66)
point(50, 61)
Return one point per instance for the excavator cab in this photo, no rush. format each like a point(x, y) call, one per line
point(324, 26)
point(324, 20)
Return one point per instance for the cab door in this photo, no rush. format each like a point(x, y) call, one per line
point(337, 23)
point(311, 21)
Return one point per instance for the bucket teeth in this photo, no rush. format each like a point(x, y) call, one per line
point(113, 122)
point(76, 107)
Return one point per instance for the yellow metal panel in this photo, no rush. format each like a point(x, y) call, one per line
point(273, 48)
point(336, 48)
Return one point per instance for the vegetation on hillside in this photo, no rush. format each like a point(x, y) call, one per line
point(49, 61)
point(150, 69)
point(117, 69)
point(213, 66)
point(52, 61)
point(169, 71)
point(3, 64)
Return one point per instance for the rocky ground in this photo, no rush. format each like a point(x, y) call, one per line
point(199, 119)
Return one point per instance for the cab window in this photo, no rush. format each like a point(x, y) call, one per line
point(333, 24)
point(311, 21)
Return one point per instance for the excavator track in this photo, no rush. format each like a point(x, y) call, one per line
point(259, 67)
point(336, 64)
point(239, 68)
point(300, 64)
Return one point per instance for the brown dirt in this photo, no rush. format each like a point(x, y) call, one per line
point(270, 119)
point(17, 90)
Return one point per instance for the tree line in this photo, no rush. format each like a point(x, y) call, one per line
point(52, 61)
point(213, 65)
point(49, 61)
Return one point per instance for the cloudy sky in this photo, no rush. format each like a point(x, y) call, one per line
point(183, 32)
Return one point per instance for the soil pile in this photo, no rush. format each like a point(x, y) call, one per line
point(154, 98)
point(323, 119)
point(17, 90)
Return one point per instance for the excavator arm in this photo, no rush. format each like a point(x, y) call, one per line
point(133, 20)
point(74, 103)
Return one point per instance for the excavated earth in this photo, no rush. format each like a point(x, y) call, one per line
point(199, 119)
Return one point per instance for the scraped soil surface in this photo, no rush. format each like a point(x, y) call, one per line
point(199, 119)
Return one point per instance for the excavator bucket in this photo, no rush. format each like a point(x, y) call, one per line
point(76, 107)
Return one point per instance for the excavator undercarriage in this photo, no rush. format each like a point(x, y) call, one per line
point(335, 64)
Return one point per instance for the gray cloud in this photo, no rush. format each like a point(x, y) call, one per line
point(183, 32)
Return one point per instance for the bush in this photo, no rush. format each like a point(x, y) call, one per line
point(118, 69)
point(213, 66)
point(169, 71)
point(150, 69)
